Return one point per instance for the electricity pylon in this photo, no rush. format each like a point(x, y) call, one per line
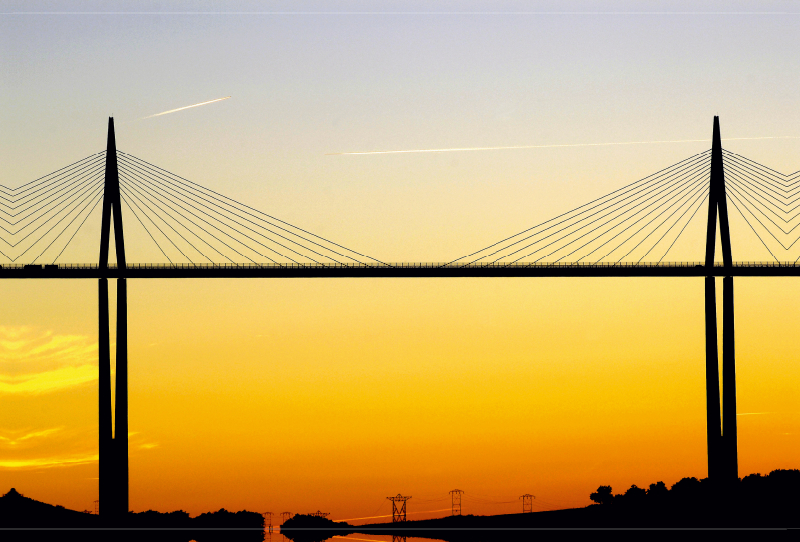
point(527, 503)
point(398, 513)
point(456, 501)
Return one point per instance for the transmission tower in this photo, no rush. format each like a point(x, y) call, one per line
point(456, 498)
point(268, 518)
point(97, 507)
point(319, 514)
point(398, 512)
point(285, 516)
point(527, 503)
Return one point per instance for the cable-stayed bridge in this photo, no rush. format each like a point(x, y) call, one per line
point(202, 233)
point(199, 232)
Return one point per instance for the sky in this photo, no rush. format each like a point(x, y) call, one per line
point(331, 395)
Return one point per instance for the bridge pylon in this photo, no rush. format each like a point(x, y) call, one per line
point(721, 426)
point(113, 434)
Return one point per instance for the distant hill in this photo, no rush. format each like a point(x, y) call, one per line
point(18, 513)
point(756, 501)
point(16, 510)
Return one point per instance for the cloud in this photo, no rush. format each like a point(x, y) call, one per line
point(13, 441)
point(47, 462)
point(48, 381)
point(34, 448)
point(34, 362)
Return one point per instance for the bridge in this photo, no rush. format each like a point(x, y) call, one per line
point(204, 234)
point(400, 270)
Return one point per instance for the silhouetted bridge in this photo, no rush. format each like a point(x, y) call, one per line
point(399, 270)
point(204, 234)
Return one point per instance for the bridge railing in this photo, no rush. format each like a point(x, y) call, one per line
point(397, 265)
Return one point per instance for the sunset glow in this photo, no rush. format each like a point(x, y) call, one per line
point(332, 394)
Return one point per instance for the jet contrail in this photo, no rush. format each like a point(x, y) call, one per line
point(187, 107)
point(460, 149)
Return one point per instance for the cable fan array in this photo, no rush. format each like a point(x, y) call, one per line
point(36, 219)
point(641, 220)
point(766, 200)
point(186, 221)
point(189, 222)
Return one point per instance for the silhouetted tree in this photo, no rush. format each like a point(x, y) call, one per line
point(603, 495)
point(685, 488)
point(785, 477)
point(659, 489)
point(657, 494)
point(635, 496)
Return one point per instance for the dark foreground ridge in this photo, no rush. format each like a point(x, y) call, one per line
point(755, 501)
point(23, 518)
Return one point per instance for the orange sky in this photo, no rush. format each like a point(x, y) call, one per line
point(301, 395)
point(314, 394)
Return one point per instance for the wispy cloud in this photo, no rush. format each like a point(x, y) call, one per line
point(34, 362)
point(47, 462)
point(34, 448)
point(16, 439)
point(48, 381)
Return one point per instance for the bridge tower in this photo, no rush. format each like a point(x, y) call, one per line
point(113, 434)
point(722, 440)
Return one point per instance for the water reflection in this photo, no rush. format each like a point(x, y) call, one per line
point(277, 537)
point(382, 538)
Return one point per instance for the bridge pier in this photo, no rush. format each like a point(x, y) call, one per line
point(713, 425)
point(121, 402)
point(113, 433)
point(729, 432)
point(723, 464)
point(106, 419)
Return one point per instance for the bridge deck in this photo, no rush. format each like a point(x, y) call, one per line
point(399, 270)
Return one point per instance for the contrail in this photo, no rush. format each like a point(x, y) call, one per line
point(461, 149)
point(187, 107)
